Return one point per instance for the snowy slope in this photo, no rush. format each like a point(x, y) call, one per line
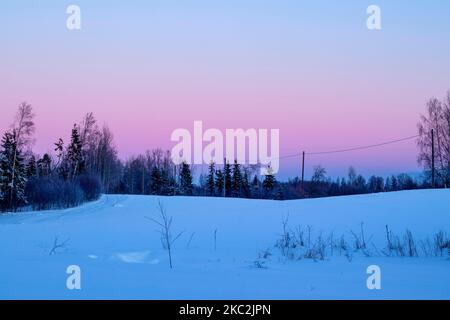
point(120, 254)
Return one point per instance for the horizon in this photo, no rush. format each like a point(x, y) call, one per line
point(200, 169)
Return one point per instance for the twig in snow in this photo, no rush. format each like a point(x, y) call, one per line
point(57, 245)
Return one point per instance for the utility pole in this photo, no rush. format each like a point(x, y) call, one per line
point(303, 174)
point(433, 181)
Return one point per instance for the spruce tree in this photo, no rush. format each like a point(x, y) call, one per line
point(169, 185)
point(255, 187)
point(236, 182)
point(227, 179)
point(44, 166)
point(279, 194)
point(156, 181)
point(246, 192)
point(210, 183)
point(168, 181)
point(31, 169)
point(186, 186)
point(269, 182)
point(74, 154)
point(13, 179)
point(219, 182)
point(2, 182)
point(394, 183)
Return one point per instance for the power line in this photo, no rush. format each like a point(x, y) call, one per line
point(351, 148)
point(348, 150)
point(364, 147)
point(289, 156)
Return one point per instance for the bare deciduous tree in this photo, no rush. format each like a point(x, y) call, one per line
point(22, 130)
point(437, 118)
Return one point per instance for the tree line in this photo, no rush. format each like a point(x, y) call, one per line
point(154, 173)
point(322, 186)
point(88, 165)
point(78, 171)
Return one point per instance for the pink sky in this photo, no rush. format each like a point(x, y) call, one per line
point(326, 83)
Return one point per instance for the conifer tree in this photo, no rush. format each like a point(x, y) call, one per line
point(255, 187)
point(394, 183)
point(186, 186)
point(31, 169)
point(269, 182)
point(44, 166)
point(246, 192)
point(169, 185)
point(4, 169)
point(227, 179)
point(13, 174)
point(219, 182)
point(156, 181)
point(236, 182)
point(2, 182)
point(279, 194)
point(74, 154)
point(210, 183)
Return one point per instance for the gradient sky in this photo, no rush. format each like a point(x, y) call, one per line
point(309, 68)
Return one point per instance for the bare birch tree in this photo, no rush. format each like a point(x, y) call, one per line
point(437, 118)
point(22, 129)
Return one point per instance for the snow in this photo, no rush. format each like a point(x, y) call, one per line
point(120, 254)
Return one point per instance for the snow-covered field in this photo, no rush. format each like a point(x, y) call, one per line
point(120, 254)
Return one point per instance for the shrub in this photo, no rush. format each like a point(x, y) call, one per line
point(72, 194)
point(52, 192)
point(40, 193)
point(91, 186)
